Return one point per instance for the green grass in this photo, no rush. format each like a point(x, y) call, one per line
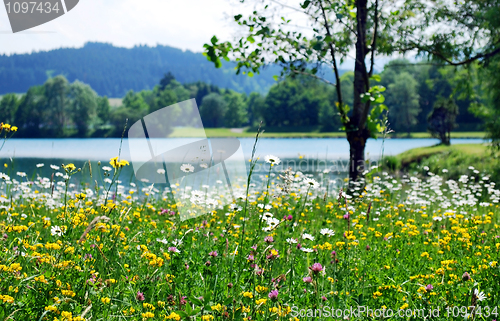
point(454, 159)
point(427, 135)
point(227, 132)
point(281, 133)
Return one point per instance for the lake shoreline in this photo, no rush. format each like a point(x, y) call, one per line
point(265, 135)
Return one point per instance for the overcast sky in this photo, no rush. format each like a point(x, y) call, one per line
point(184, 24)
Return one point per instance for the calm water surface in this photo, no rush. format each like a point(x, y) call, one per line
point(24, 154)
point(322, 148)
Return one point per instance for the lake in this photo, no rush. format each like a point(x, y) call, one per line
point(300, 153)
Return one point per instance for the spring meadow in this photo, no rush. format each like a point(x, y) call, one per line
point(275, 160)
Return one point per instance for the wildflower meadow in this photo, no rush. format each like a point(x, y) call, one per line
point(288, 246)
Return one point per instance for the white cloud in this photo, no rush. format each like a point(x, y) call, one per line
point(185, 24)
point(125, 23)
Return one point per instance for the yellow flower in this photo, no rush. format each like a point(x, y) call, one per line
point(118, 163)
point(65, 315)
point(7, 298)
point(105, 300)
point(80, 196)
point(207, 317)
point(217, 307)
point(51, 308)
point(248, 295)
point(261, 301)
point(260, 288)
point(174, 316)
point(148, 315)
point(70, 167)
point(68, 293)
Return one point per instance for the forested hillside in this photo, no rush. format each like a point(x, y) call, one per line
point(59, 108)
point(113, 71)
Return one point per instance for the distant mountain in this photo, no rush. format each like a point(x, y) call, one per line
point(112, 71)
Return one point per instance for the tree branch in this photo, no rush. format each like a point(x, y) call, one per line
point(335, 69)
point(467, 61)
point(374, 40)
point(293, 8)
point(312, 75)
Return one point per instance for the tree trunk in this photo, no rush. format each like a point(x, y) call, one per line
point(357, 143)
point(356, 130)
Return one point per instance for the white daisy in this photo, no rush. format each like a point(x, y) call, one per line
point(56, 230)
point(327, 231)
point(267, 214)
point(164, 241)
point(107, 169)
point(187, 168)
point(306, 236)
point(272, 221)
point(271, 159)
point(54, 167)
point(291, 241)
point(177, 242)
point(311, 182)
point(160, 171)
point(305, 249)
point(204, 165)
point(21, 174)
point(480, 296)
point(40, 165)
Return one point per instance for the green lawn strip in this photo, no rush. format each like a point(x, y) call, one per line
point(282, 133)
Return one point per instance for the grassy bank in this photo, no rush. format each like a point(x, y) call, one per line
point(452, 161)
point(274, 133)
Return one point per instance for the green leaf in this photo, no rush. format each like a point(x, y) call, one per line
point(207, 297)
point(214, 40)
point(250, 39)
point(250, 74)
point(340, 16)
point(189, 310)
point(196, 311)
point(380, 99)
point(376, 78)
point(237, 17)
point(305, 4)
point(365, 97)
point(182, 314)
point(275, 77)
point(352, 14)
point(195, 301)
